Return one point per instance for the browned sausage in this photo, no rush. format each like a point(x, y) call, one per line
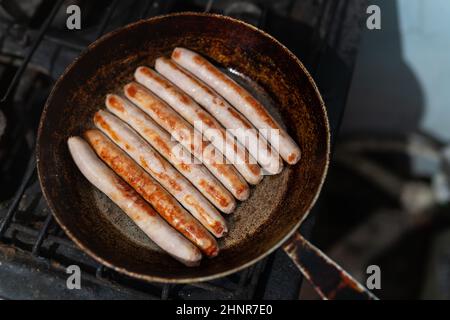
point(151, 191)
point(196, 173)
point(162, 171)
point(184, 133)
point(242, 100)
point(102, 177)
point(202, 121)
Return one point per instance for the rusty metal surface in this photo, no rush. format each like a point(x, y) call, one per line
point(260, 224)
point(329, 280)
point(46, 279)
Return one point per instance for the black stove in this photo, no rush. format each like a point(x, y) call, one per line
point(36, 47)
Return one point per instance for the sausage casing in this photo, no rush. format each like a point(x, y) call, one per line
point(242, 100)
point(202, 121)
point(152, 192)
point(228, 116)
point(163, 172)
point(197, 174)
point(185, 134)
point(145, 217)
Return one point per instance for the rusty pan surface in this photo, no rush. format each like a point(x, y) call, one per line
point(276, 206)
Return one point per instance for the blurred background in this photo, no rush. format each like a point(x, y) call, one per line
point(387, 195)
point(385, 201)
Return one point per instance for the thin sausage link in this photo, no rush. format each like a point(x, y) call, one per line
point(202, 121)
point(242, 100)
point(163, 172)
point(235, 123)
point(200, 177)
point(184, 133)
point(151, 191)
point(142, 214)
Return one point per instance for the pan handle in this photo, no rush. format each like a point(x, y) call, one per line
point(329, 280)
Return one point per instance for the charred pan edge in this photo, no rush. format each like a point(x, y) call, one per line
point(190, 279)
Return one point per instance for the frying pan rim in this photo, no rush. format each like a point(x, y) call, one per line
point(191, 279)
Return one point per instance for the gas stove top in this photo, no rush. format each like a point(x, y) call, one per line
point(36, 47)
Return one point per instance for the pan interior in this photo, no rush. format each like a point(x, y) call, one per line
point(249, 216)
point(275, 207)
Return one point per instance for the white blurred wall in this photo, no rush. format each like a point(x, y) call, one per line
point(402, 75)
point(425, 36)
